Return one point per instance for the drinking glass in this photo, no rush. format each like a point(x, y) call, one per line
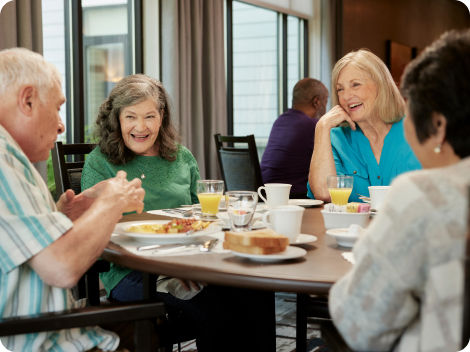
point(209, 193)
point(340, 188)
point(241, 206)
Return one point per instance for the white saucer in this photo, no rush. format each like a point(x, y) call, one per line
point(343, 237)
point(289, 253)
point(306, 203)
point(304, 239)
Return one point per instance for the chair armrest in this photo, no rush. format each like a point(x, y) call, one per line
point(81, 317)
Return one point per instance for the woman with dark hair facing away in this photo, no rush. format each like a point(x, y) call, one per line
point(136, 135)
point(405, 290)
point(362, 135)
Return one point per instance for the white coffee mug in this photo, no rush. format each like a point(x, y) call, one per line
point(377, 195)
point(276, 194)
point(285, 220)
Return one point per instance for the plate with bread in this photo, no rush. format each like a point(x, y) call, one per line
point(261, 245)
point(164, 231)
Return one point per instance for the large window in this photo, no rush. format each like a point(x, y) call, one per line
point(107, 53)
point(266, 49)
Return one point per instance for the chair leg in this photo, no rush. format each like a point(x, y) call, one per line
point(144, 333)
point(301, 324)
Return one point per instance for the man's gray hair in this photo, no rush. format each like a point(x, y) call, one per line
point(20, 66)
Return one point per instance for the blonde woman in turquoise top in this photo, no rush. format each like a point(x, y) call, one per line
point(369, 143)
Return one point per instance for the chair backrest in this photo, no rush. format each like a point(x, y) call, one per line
point(466, 291)
point(68, 161)
point(239, 163)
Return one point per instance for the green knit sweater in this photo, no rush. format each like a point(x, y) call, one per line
point(167, 184)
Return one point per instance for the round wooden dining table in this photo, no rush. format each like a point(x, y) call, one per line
point(314, 273)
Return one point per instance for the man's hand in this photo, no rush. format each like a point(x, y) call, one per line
point(130, 193)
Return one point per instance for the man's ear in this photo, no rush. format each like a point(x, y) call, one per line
point(27, 97)
point(316, 102)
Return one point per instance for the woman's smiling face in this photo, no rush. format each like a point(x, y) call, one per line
point(356, 93)
point(140, 125)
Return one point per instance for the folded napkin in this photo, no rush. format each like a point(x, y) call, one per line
point(181, 248)
point(348, 256)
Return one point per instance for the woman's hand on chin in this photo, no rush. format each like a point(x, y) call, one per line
point(334, 117)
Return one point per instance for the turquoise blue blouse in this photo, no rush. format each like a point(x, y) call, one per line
point(353, 156)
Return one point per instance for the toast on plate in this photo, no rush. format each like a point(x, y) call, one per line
point(263, 241)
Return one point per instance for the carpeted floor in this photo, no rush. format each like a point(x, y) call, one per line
point(285, 328)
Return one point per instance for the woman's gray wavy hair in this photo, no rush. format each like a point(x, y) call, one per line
point(129, 91)
point(20, 67)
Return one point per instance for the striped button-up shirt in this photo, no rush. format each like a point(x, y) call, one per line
point(29, 222)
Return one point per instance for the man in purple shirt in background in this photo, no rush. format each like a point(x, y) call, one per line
point(290, 144)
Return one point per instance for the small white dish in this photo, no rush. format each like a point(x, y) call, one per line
point(304, 239)
point(334, 220)
point(289, 253)
point(161, 238)
point(343, 236)
point(306, 203)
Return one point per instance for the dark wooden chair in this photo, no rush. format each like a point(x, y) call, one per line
point(239, 162)
point(68, 161)
point(143, 314)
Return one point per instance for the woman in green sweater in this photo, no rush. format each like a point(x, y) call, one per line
point(136, 135)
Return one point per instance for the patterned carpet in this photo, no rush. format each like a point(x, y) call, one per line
point(285, 328)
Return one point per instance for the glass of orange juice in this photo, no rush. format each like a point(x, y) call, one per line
point(209, 193)
point(340, 188)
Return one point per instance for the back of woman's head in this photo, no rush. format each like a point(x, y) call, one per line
point(389, 105)
point(129, 91)
point(438, 81)
point(20, 66)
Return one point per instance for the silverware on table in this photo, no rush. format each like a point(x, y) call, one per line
point(208, 245)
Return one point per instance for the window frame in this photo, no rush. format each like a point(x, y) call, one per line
point(282, 55)
point(74, 61)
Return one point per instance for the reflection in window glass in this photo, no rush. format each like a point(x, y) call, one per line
point(255, 71)
point(293, 55)
point(54, 43)
point(107, 53)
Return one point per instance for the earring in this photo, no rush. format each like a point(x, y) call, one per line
point(437, 149)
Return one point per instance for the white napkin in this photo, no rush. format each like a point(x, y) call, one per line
point(349, 257)
point(131, 245)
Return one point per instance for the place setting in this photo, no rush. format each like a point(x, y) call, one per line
point(280, 236)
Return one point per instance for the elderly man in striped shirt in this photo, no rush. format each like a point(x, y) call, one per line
point(45, 247)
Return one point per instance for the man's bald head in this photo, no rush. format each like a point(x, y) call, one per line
point(310, 96)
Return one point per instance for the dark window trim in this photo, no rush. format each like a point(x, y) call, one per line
point(74, 71)
point(305, 47)
point(229, 49)
point(135, 17)
point(284, 64)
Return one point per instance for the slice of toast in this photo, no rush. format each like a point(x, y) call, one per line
point(252, 249)
point(259, 238)
point(264, 241)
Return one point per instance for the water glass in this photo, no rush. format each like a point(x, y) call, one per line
point(209, 193)
point(340, 188)
point(241, 205)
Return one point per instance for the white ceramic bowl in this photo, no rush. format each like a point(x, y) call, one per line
point(343, 236)
point(335, 219)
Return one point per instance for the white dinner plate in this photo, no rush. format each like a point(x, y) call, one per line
point(343, 237)
point(289, 253)
point(306, 202)
point(304, 239)
point(121, 229)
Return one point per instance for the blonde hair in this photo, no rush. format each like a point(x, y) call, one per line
point(389, 104)
point(20, 66)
